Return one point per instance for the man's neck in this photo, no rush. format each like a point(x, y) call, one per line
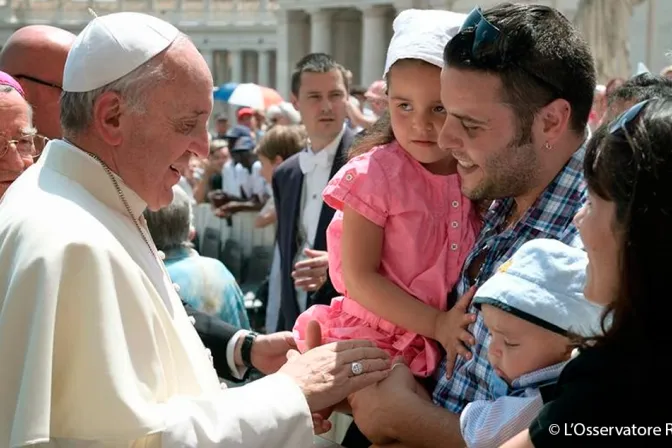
point(561, 155)
point(317, 144)
point(91, 146)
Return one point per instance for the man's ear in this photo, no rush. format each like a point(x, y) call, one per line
point(295, 101)
point(556, 118)
point(107, 112)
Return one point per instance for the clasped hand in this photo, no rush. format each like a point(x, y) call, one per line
point(324, 373)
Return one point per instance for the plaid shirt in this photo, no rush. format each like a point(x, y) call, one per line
point(550, 217)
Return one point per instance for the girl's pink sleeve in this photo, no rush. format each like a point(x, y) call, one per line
point(361, 185)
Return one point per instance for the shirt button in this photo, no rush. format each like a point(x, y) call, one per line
point(348, 177)
point(209, 353)
point(162, 255)
point(177, 287)
point(455, 204)
point(454, 224)
point(192, 319)
point(223, 386)
point(453, 246)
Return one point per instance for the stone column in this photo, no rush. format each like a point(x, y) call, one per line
point(320, 31)
point(374, 43)
point(293, 34)
point(236, 61)
point(264, 69)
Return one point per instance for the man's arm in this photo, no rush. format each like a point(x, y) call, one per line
point(121, 348)
point(396, 410)
point(222, 340)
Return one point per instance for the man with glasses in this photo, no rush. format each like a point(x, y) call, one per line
point(35, 56)
point(517, 86)
point(16, 132)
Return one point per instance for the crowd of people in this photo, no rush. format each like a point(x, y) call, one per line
point(463, 251)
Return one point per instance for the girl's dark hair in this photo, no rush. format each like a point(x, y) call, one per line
point(379, 134)
point(634, 171)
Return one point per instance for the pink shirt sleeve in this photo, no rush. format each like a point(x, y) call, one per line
point(361, 185)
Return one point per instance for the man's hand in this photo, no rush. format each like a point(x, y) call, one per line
point(311, 274)
point(229, 209)
point(325, 375)
point(375, 407)
point(269, 351)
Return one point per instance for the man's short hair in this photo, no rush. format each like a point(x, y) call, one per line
point(539, 56)
point(316, 63)
point(642, 87)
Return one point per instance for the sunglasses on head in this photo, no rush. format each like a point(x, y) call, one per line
point(485, 34)
point(619, 125)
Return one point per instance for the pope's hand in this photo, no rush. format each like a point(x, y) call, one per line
point(325, 373)
point(269, 351)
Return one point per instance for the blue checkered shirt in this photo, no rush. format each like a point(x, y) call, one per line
point(549, 217)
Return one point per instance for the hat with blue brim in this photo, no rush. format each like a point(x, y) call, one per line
point(543, 283)
point(244, 144)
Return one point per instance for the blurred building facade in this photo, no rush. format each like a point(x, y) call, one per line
point(261, 40)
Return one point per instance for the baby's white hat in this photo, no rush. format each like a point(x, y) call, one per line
point(543, 283)
point(422, 34)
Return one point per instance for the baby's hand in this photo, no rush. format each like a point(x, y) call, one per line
point(451, 330)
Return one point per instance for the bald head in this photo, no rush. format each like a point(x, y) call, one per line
point(35, 55)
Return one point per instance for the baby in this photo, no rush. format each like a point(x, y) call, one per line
point(532, 306)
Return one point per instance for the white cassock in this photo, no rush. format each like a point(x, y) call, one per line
point(95, 346)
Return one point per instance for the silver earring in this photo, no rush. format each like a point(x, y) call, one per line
point(547, 146)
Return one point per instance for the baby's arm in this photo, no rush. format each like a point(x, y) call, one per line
point(490, 423)
point(362, 245)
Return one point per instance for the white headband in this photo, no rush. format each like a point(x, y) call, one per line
point(422, 34)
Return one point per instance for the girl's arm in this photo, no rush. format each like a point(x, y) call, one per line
point(361, 245)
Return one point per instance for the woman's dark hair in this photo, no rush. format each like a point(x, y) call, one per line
point(634, 171)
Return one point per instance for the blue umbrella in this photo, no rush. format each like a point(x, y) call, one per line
point(223, 92)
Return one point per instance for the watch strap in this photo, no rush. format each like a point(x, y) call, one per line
point(246, 349)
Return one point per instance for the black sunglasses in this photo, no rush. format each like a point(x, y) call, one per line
point(39, 81)
point(485, 33)
point(619, 125)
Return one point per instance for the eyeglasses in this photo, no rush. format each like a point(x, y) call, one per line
point(619, 124)
point(485, 33)
point(25, 146)
point(39, 81)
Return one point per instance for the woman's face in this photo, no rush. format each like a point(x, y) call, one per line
point(596, 222)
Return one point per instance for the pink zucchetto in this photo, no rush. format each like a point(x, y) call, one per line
point(7, 80)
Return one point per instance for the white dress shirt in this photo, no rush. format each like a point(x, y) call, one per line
point(235, 177)
point(316, 168)
point(96, 347)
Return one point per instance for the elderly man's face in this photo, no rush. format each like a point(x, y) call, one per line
point(161, 141)
point(482, 133)
point(15, 123)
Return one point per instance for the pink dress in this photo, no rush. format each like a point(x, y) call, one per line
point(429, 228)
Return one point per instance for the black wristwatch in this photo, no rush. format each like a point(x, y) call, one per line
point(246, 349)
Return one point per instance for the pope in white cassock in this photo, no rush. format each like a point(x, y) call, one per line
point(95, 346)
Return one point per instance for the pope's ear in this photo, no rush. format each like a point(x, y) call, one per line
point(107, 111)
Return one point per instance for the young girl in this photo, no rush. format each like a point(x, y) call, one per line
point(402, 228)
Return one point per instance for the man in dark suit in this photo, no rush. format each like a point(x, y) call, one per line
point(236, 351)
point(320, 94)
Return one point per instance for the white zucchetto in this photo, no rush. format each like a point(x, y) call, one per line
point(112, 46)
